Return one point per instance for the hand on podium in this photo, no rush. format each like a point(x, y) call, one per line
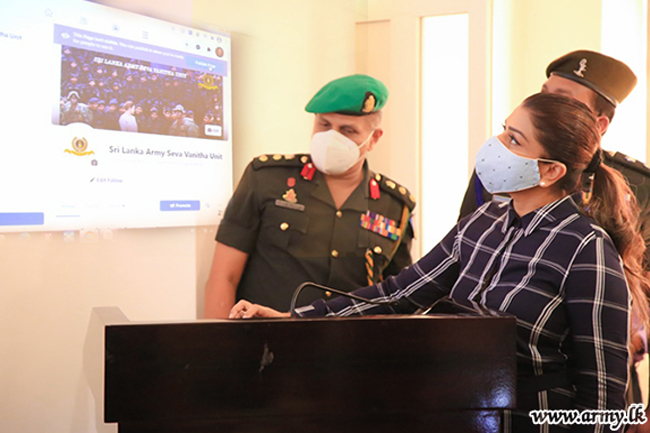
point(245, 310)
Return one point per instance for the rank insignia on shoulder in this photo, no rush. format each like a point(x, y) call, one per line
point(381, 225)
point(275, 160)
point(623, 162)
point(395, 190)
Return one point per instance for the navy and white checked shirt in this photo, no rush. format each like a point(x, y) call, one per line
point(555, 270)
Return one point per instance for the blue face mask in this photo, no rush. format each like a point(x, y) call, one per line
point(500, 170)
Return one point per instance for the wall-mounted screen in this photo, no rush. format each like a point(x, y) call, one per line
point(110, 119)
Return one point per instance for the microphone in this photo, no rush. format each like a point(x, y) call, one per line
point(306, 284)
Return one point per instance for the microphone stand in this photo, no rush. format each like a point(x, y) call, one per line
point(306, 284)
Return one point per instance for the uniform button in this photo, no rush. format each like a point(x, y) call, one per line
point(339, 213)
point(284, 226)
point(377, 250)
point(335, 253)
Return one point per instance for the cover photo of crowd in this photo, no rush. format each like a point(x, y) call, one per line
point(117, 93)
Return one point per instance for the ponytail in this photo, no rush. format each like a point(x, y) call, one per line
point(568, 131)
point(613, 206)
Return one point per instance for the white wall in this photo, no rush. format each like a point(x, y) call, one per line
point(283, 52)
point(528, 35)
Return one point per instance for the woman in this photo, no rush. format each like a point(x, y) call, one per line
point(540, 257)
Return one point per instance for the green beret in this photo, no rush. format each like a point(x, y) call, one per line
point(354, 95)
point(608, 77)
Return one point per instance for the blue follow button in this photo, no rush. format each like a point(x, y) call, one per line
point(22, 218)
point(179, 205)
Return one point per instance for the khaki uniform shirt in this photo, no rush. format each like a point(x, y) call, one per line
point(282, 214)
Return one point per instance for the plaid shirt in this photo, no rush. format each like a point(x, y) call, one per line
point(555, 270)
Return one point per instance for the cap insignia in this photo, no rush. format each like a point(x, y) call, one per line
point(582, 69)
point(369, 103)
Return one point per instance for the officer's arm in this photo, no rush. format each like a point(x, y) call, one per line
point(227, 267)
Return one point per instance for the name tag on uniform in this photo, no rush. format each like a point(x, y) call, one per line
point(287, 205)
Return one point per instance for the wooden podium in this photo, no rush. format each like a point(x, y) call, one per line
point(436, 373)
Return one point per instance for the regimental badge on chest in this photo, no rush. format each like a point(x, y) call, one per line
point(290, 195)
point(381, 225)
point(290, 198)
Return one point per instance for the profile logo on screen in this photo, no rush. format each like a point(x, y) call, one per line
point(79, 147)
point(207, 82)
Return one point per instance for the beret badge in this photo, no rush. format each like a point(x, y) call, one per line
point(582, 68)
point(369, 103)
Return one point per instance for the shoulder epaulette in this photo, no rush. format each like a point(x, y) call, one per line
point(627, 161)
point(396, 190)
point(278, 160)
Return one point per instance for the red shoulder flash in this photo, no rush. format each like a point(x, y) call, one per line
point(308, 171)
point(374, 190)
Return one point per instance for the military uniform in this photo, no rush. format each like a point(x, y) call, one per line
point(638, 177)
point(283, 215)
point(76, 113)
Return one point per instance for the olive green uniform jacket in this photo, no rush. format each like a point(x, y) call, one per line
point(283, 216)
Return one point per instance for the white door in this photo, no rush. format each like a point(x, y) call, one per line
point(434, 56)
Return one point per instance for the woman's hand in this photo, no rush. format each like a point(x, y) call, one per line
point(245, 310)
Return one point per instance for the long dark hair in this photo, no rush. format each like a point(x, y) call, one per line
point(568, 132)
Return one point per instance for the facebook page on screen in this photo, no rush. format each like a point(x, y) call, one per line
point(111, 119)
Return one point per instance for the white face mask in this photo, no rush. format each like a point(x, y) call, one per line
point(500, 170)
point(333, 152)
